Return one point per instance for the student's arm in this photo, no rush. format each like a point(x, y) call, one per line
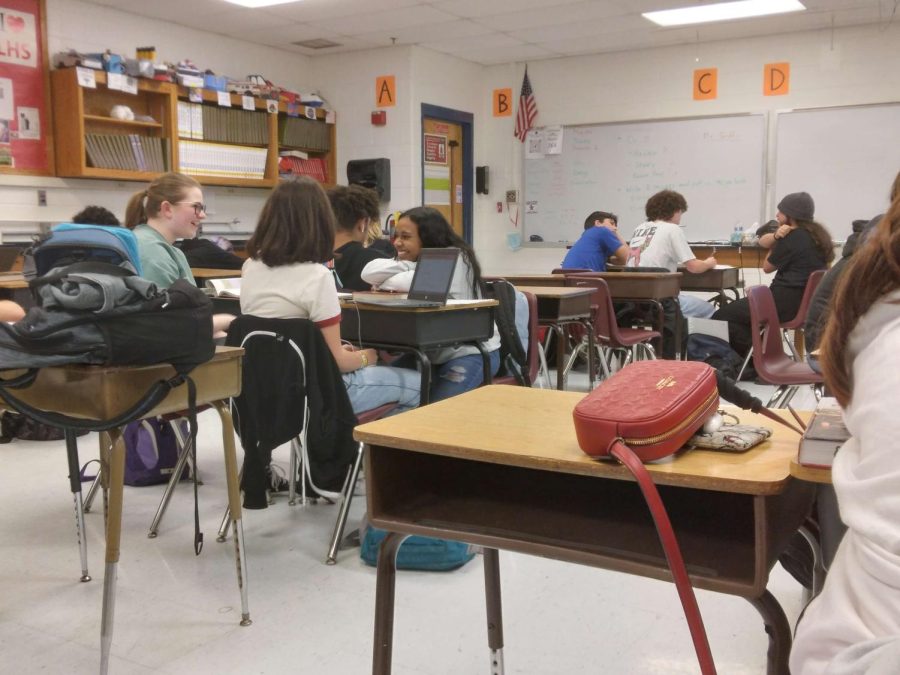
point(389, 275)
point(781, 252)
point(697, 266)
point(620, 256)
point(347, 357)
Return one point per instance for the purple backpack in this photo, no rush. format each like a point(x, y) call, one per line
point(151, 451)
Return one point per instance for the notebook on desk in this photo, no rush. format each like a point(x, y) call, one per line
point(431, 281)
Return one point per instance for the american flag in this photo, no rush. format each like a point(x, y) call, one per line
point(527, 109)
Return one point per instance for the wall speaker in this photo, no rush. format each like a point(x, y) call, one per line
point(482, 176)
point(371, 173)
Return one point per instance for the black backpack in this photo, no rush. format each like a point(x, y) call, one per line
point(513, 355)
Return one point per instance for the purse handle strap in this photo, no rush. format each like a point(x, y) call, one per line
point(667, 538)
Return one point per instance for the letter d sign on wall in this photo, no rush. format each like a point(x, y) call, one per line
point(776, 79)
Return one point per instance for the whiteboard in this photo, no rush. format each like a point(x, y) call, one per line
point(717, 163)
point(846, 158)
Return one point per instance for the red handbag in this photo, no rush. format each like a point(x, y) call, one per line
point(646, 411)
point(653, 406)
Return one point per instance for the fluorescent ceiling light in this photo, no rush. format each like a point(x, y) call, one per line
point(723, 11)
point(259, 3)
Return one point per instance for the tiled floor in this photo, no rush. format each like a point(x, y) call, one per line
point(177, 613)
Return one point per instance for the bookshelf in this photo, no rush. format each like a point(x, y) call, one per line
point(91, 144)
point(218, 145)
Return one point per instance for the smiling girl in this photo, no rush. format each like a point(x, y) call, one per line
point(460, 368)
point(170, 208)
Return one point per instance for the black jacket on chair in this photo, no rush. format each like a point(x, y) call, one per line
point(270, 406)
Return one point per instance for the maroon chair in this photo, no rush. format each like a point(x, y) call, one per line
point(534, 345)
point(772, 365)
point(607, 332)
point(799, 320)
point(797, 323)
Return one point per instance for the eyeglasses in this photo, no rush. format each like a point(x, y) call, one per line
point(199, 207)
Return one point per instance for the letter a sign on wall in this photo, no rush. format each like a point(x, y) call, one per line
point(776, 79)
point(385, 91)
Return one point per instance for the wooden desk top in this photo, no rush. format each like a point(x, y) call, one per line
point(536, 279)
point(13, 281)
point(359, 297)
point(556, 291)
point(105, 392)
point(813, 474)
point(533, 428)
point(213, 273)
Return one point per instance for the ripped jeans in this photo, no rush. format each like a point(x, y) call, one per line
point(456, 375)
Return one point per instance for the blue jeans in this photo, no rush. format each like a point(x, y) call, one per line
point(374, 386)
point(691, 305)
point(460, 374)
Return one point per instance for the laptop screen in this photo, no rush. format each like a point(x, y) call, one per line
point(434, 274)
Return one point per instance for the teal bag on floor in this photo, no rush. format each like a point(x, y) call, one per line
point(418, 553)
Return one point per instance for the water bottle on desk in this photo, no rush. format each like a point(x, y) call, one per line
point(736, 234)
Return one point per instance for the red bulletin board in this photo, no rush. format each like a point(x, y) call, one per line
point(26, 142)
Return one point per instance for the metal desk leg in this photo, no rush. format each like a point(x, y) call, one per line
point(183, 458)
point(112, 466)
point(779, 631)
point(589, 327)
point(234, 505)
point(386, 581)
point(75, 486)
point(487, 377)
point(560, 356)
point(494, 609)
point(678, 321)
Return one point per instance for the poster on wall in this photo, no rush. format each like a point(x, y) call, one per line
point(25, 139)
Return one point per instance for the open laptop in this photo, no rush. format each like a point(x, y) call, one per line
point(431, 281)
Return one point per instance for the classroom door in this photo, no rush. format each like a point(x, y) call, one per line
point(443, 169)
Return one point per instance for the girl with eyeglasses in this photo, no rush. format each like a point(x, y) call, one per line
point(170, 208)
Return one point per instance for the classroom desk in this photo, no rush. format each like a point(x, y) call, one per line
point(14, 286)
point(718, 280)
point(202, 274)
point(646, 287)
point(559, 307)
point(104, 393)
point(500, 467)
point(732, 254)
point(813, 474)
point(416, 330)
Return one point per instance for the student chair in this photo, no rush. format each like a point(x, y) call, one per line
point(609, 337)
point(532, 369)
point(292, 392)
point(772, 365)
point(796, 324)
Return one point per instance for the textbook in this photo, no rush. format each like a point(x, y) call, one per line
point(824, 436)
point(225, 288)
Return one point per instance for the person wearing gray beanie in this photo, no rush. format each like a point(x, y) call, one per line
point(797, 248)
point(798, 206)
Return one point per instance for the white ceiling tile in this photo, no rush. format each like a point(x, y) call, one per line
point(241, 20)
point(476, 8)
point(493, 55)
point(286, 33)
point(428, 33)
point(472, 43)
point(385, 20)
point(319, 10)
point(583, 29)
point(551, 16)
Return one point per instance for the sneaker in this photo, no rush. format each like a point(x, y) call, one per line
point(275, 477)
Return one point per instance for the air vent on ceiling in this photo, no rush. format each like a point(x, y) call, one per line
point(318, 43)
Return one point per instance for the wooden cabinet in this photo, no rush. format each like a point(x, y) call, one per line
point(119, 149)
point(219, 145)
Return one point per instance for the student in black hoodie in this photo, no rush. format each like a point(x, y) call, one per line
point(353, 207)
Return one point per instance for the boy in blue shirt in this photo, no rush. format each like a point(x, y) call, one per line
point(600, 242)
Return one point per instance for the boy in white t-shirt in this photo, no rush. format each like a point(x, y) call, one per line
point(660, 242)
